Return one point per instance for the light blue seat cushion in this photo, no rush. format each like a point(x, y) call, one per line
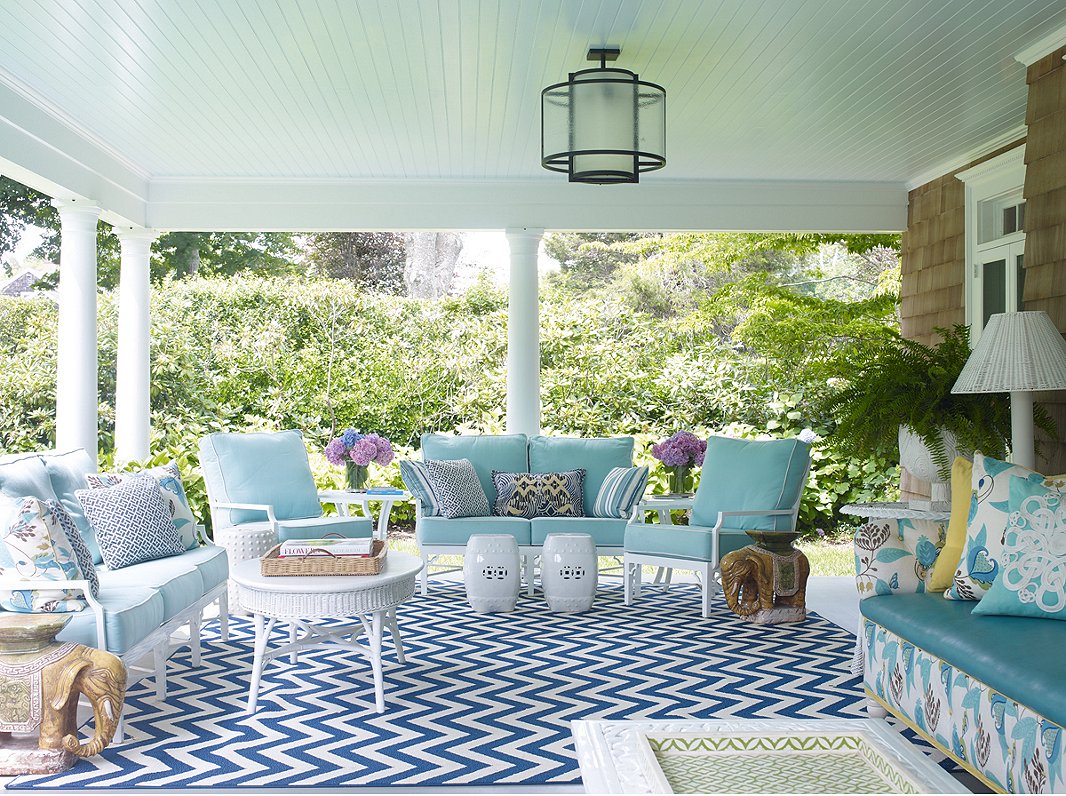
point(606, 532)
point(210, 561)
point(260, 468)
point(487, 452)
point(318, 527)
point(596, 457)
point(67, 472)
point(130, 615)
point(24, 475)
point(442, 531)
point(682, 541)
point(739, 474)
point(177, 580)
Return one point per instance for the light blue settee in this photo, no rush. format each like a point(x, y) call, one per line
point(518, 453)
point(140, 606)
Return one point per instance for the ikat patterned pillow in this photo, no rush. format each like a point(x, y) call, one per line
point(1032, 576)
point(532, 495)
point(457, 488)
point(36, 547)
point(131, 521)
point(168, 476)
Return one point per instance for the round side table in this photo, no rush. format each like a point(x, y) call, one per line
point(299, 601)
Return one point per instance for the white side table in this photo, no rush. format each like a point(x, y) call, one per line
point(894, 511)
point(370, 599)
point(343, 499)
point(662, 505)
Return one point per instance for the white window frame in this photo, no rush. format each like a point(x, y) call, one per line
point(998, 178)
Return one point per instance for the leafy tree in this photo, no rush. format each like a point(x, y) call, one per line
point(373, 260)
point(592, 258)
point(181, 254)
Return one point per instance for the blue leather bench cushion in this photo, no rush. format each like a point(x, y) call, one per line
point(488, 452)
point(176, 579)
point(442, 531)
point(130, 615)
point(607, 532)
point(1020, 658)
point(67, 473)
point(596, 456)
point(318, 527)
point(682, 541)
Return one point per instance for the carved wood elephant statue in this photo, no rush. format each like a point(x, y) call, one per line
point(765, 588)
point(101, 677)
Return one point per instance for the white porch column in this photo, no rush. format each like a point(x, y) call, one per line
point(523, 333)
point(76, 364)
point(132, 371)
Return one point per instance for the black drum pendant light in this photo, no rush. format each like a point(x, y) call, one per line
point(604, 125)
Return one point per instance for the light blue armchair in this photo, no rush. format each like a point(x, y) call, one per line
point(261, 491)
point(744, 485)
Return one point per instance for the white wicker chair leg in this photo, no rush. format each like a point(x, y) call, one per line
point(707, 576)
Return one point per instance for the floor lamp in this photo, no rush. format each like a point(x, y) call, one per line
point(1020, 353)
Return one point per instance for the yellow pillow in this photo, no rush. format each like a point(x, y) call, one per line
point(948, 560)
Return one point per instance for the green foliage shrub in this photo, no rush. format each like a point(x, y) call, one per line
point(246, 353)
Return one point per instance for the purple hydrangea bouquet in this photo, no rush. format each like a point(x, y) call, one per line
point(679, 454)
point(355, 451)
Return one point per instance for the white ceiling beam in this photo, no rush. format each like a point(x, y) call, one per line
point(299, 205)
point(1042, 47)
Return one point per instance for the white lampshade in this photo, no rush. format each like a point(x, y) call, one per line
point(1017, 352)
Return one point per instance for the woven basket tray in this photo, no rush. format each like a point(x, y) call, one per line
point(273, 566)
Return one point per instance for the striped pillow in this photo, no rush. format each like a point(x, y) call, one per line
point(416, 479)
point(621, 490)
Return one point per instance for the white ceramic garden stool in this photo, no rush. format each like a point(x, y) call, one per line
point(492, 573)
point(568, 572)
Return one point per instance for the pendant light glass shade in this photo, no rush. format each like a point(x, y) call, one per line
point(603, 126)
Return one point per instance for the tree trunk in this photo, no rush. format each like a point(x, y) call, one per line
point(431, 259)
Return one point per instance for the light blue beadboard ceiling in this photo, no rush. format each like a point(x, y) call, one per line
point(878, 90)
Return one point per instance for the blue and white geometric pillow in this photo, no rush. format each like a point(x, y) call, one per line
point(1032, 575)
point(416, 479)
point(168, 476)
point(457, 488)
point(621, 490)
point(77, 544)
point(35, 546)
point(131, 522)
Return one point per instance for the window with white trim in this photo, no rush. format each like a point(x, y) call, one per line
point(995, 238)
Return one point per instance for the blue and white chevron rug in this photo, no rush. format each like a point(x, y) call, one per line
point(483, 699)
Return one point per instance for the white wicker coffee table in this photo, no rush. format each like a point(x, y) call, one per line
point(299, 601)
point(753, 756)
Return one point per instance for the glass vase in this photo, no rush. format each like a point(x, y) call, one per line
point(357, 476)
point(681, 480)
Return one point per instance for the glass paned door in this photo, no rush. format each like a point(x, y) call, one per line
point(1000, 274)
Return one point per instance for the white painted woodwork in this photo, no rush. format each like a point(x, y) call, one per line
point(523, 333)
point(76, 363)
point(132, 371)
point(125, 101)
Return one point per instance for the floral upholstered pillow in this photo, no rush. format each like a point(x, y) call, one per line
point(36, 547)
point(896, 556)
point(1032, 576)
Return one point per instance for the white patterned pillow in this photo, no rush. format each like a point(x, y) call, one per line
point(896, 556)
point(36, 546)
point(982, 552)
point(457, 488)
point(77, 544)
point(168, 476)
point(131, 522)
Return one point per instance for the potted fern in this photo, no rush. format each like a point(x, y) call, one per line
point(906, 390)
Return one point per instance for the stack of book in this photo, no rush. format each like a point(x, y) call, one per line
point(341, 548)
point(384, 490)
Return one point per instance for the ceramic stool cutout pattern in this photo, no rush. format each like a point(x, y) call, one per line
point(492, 573)
point(569, 572)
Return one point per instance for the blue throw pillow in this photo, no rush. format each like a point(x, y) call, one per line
point(621, 490)
point(131, 522)
point(456, 485)
point(1032, 577)
point(416, 479)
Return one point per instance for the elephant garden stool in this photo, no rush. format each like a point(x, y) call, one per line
point(766, 582)
point(40, 682)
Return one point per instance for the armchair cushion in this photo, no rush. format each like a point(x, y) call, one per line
point(597, 457)
point(178, 581)
point(741, 474)
point(504, 452)
point(319, 527)
point(67, 473)
point(691, 542)
point(260, 468)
